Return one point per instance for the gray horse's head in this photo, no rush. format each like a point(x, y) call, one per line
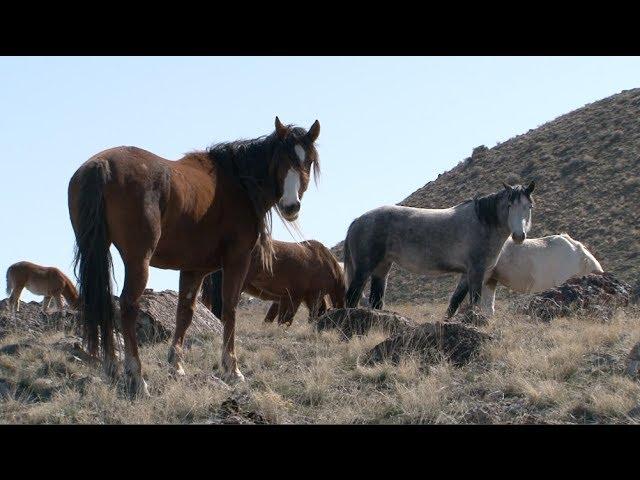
point(518, 207)
point(508, 209)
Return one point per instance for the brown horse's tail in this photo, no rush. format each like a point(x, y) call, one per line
point(211, 294)
point(92, 260)
point(337, 293)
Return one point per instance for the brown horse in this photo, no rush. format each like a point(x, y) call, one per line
point(39, 280)
point(197, 214)
point(302, 273)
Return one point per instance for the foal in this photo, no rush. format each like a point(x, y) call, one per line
point(302, 273)
point(466, 238)
point(39, 280)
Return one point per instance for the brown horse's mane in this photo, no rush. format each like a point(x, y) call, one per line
point(251, 163)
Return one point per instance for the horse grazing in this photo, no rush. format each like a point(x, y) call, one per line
point(39, 280)
point(466, 238)
point(535, 265)
point(303, 272)
point(198, 214)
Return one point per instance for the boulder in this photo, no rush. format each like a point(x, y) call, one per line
point(157, 319)
point(597, 293)
point(358, 321)
point(431, 342)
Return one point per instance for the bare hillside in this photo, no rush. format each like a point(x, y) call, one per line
point(587, 170)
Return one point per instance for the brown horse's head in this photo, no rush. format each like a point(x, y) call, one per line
point(293, 156)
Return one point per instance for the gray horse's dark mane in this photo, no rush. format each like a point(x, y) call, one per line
point(487, 207)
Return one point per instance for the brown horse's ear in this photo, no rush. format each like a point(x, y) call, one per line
point(530, 188)
point(314, 131)
point(281, 130)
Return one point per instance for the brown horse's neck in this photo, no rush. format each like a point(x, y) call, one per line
point(248, 163)
point(70, 294)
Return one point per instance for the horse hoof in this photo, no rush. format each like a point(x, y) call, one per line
point(233, 377)
point(138, 388)
point(178, 370)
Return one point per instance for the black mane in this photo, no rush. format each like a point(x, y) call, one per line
point(249, 162)
point(487, 207)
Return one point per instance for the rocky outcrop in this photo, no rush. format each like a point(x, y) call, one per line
point(155, 323)
point(597, 293)
point(431, 342)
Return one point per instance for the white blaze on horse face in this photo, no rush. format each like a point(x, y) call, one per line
point(520, 218)
point(300, 153)
point(290, 196)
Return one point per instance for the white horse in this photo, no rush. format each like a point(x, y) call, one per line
point(535, 265)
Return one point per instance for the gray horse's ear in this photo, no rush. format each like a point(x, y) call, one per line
point(507, 186)
point(314, 131)
point(281, 130)
point(529, 189)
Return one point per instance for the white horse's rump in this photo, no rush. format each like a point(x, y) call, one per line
point(537, 264)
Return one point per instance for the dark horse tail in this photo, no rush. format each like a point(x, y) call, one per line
point(212, 292)
point(347, 264)
point(92, 259)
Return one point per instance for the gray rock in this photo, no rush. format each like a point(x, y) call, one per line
point(430, 342)
point(359, 321)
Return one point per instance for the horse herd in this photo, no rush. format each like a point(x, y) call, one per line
point(208, 215)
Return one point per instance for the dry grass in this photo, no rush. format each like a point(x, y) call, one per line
point(568, 371)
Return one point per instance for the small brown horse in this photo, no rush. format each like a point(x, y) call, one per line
point(39, 280)
point(198, 214)
point(302, 273)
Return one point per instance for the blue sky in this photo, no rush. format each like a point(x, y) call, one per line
point(388, 125)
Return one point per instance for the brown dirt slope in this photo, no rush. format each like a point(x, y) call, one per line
point(587, 167)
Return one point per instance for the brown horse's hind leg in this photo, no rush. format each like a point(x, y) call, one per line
point(190, 283)
point(46, 302)
point(14, 299)
point(135, 281)
point(233, 275)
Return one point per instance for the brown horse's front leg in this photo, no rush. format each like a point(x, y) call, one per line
point(272, 313)
point(288, 311)
point(190, 283)
point(234, 272)
point(317, 306)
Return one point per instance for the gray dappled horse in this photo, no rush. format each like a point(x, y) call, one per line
point(466, 238)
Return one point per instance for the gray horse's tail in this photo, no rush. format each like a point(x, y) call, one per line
point(348, 265)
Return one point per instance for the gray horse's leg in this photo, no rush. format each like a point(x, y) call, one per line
point(458, 295)
point(378, 286)
point(354, 292)
point(488, 299)
point(475, 278)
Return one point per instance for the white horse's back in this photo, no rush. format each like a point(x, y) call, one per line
point(539, 264)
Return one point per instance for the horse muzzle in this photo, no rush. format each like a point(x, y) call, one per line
point(290, 212)
point(518, 237)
